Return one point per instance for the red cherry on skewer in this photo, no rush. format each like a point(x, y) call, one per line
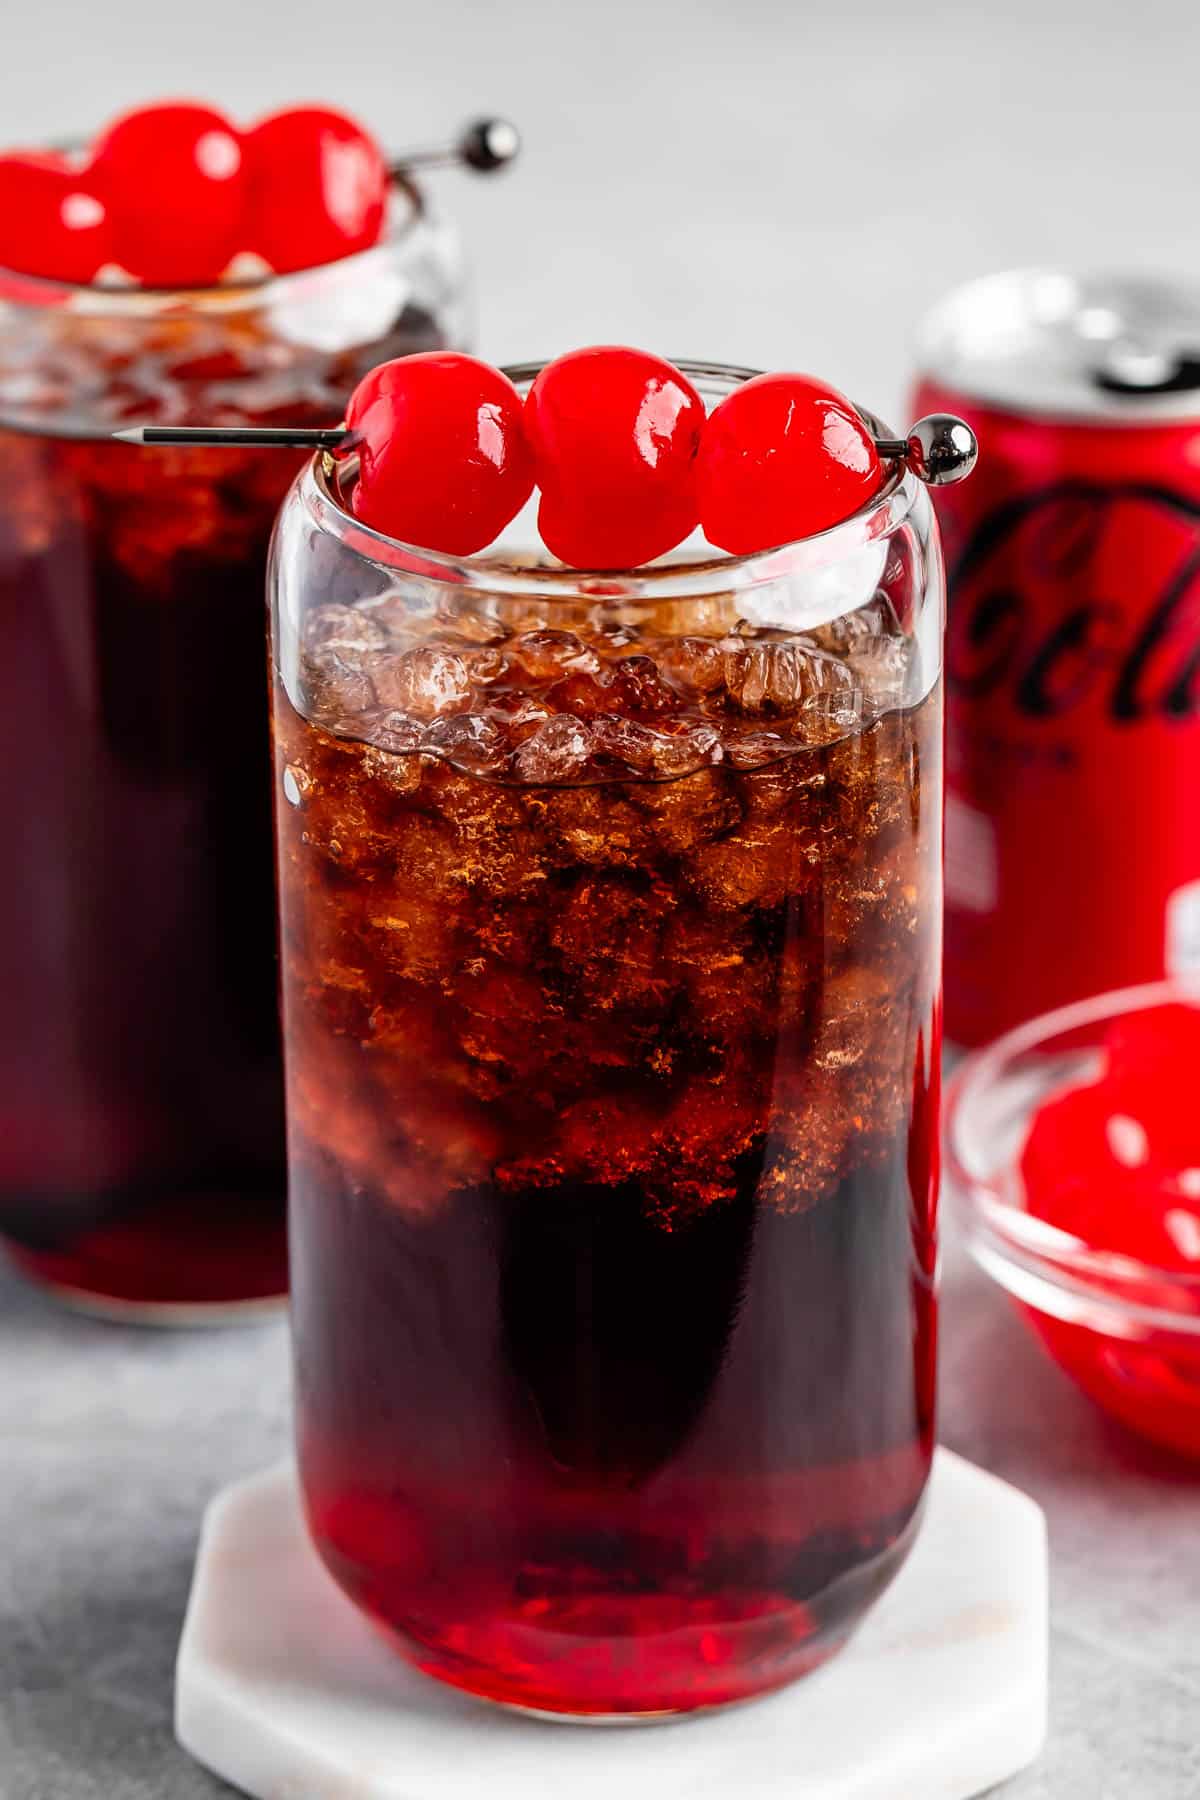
point(172, 179)
point(443, 461)
point(613, 434)
point(782, 457)
point(51, 224)
point(318, 187)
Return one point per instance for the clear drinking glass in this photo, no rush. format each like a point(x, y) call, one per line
point(141, 1120)
point(610, 927)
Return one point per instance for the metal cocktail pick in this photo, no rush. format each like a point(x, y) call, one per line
point(333, 437)
point(483, 145)
point(938, 450)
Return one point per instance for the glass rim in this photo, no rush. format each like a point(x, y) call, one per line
point(1027, 1254)
point(686, 577)
point(21, 291)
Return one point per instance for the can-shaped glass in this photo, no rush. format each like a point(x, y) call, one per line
point(610, 938)
point(141, 1098)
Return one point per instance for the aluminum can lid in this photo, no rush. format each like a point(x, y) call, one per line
point(1111, 348)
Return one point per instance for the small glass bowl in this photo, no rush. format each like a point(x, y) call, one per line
point(1127, 1333)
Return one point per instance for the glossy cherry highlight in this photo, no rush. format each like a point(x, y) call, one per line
point(443, 461)
point(172, 179)
point(614, 434)
point(318, 187)
point(782, 457)
point(51, 222)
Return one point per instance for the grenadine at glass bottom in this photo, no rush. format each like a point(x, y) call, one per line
point(612, 1118)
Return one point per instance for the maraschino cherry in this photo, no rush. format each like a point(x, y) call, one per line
point(443, 461)
point(51, 222)
point(172, 179)
point(614, 434)
point(782, 457)
point(617, 442)
point(318, 187)
point(1116, 1161)
point(174, 192)
point(447, 455)
point(1155, 1053)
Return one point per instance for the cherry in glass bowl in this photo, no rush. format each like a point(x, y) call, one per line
point(1073, 1165)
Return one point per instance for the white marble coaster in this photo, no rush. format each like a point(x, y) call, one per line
point(283, 1689)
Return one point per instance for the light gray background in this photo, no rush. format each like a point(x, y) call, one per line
point(760, 181)
point(776, 182)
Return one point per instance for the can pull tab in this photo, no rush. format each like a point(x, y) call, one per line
point(1143, 369)
point(938, 450)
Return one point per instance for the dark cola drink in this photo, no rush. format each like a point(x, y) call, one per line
point(1073, 653)
point(610, 945)
point(141, 1116)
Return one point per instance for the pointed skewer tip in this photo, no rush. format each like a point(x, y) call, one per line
point(133, 434)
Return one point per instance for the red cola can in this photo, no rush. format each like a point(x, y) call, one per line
point(1073, 657)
